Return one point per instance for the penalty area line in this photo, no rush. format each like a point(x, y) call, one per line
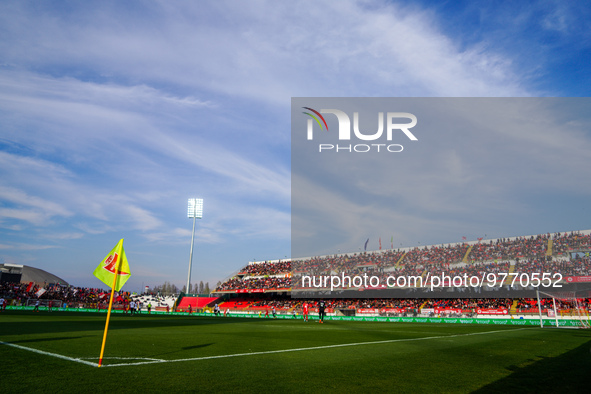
point(311, 348)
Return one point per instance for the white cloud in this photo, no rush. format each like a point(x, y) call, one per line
point(363, 48)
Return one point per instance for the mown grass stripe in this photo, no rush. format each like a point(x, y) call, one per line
point(160, 361)
point(311, 348)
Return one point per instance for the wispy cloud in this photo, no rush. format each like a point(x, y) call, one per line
point(26, 247)
point(381, 49)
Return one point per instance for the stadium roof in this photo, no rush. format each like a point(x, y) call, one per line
point(31, 274)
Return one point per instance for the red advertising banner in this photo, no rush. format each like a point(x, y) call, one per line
point(492, 311)
point(392, 310)
point(368, 310)
point(577, 279)
point(448, 310)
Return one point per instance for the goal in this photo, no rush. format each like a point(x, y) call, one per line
point(572, 305)
point(44, 302)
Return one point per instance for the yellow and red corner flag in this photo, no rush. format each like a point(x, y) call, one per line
point(113, 271)
point(115, 263)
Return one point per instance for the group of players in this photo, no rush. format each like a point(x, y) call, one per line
point(305, 312)
point(321, 312)
point(134, 307)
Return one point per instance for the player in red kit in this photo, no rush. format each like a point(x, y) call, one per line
point(305, 311)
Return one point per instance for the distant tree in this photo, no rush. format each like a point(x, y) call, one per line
point(201, 287)
point(206, 289)
point(163, 289)
point(168, 288)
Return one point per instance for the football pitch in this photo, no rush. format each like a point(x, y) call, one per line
point(59, 351)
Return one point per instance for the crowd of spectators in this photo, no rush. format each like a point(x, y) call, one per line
point(64, 296)
point(531, 304)
point(438, 255)
point(579, 266)
point(510, 249)
point(266, 268)
point(544, 253)
point(566, 242)
point(256, 283)
point(470, 303)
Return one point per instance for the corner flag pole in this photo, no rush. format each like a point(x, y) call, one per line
point(120, 258)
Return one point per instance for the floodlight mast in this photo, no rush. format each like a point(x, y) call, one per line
point(195, 211)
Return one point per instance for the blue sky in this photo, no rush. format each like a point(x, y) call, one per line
point(113, 114)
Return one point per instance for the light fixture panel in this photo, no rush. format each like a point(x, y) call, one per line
point(195, 208)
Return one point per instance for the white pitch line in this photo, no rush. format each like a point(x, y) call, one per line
point(312, 348)
point(159, 361)
point(50, 354)
point(123, 358)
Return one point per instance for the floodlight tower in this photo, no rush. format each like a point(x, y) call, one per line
point(195, 211)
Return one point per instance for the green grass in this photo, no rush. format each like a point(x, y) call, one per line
point(406, 357)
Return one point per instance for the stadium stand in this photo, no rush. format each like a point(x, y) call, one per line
point(195, 302)
point(260, 285)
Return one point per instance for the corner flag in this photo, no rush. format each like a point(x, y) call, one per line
point(115, 263)
point(114, 272)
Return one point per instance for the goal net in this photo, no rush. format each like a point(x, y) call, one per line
point(572, 305)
